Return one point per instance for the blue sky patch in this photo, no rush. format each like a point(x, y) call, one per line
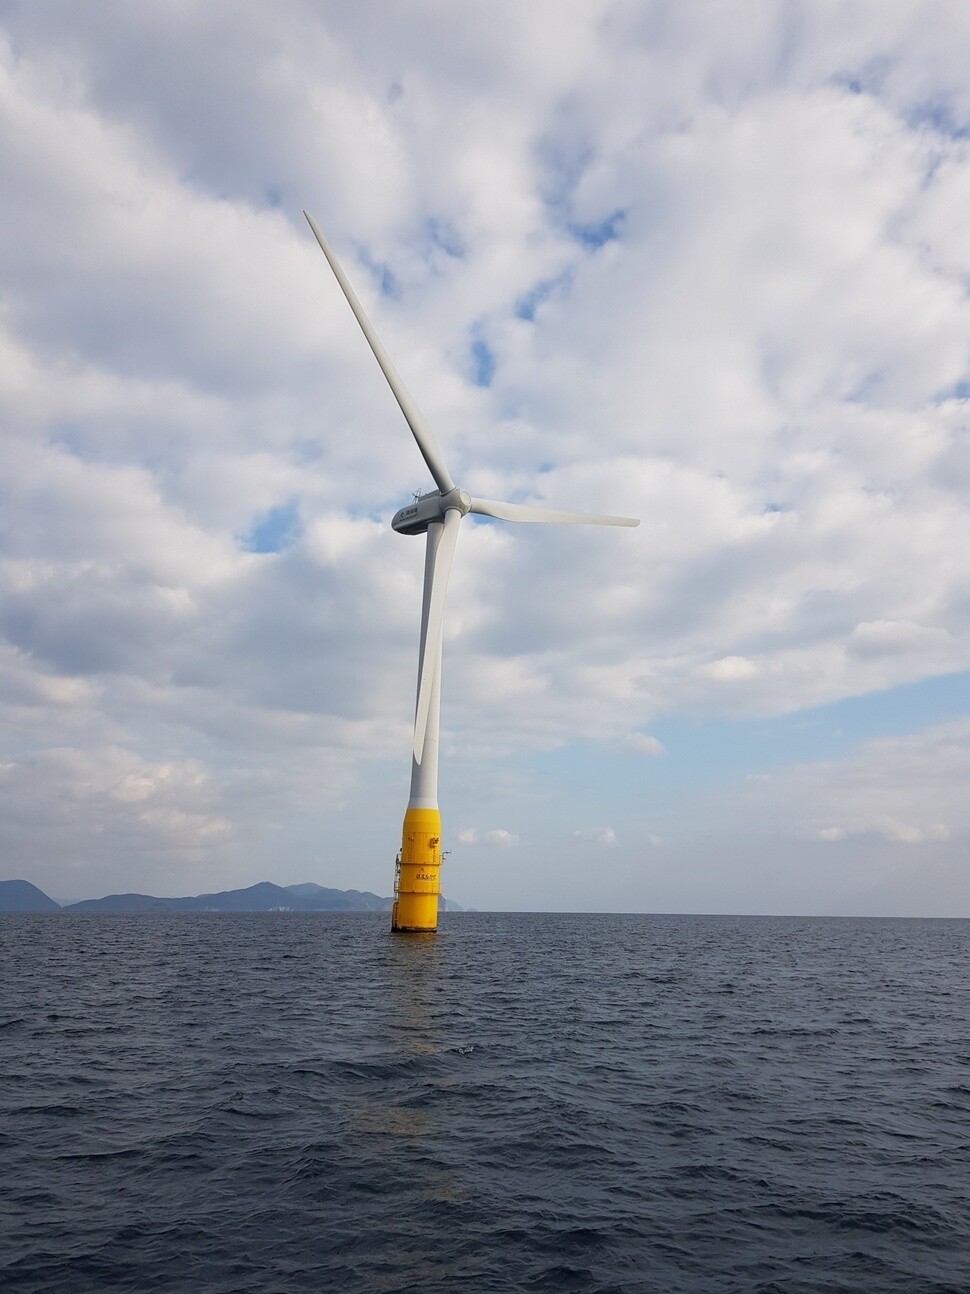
point(563, 160)
point(600, 231)
point(443, 234)
point(939, 116)
point(722, 752)
point(483, 363)
point(527, 304)
point(865, 79)
point(380, 272)
point(274, 530)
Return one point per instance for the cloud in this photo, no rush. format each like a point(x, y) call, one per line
point(831, 833)
point(729, 669)
point(893, 637)
point(908, 790)
point(597, 835)
point(77, 806)
point(890, 830)
point(641, 743)
point(497, 836)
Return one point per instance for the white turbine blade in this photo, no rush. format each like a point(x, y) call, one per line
point(419, 428)
point(431, 638)
point(525, 512)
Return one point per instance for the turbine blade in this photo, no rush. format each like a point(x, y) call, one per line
point(525, 512)
point(431, 627)
point(419, 428)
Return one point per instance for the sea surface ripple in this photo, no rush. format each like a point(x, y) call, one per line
point(289, 1102)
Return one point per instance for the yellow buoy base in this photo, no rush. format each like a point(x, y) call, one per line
point(416, 887)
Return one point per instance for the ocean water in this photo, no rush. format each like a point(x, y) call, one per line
point(524, 1102)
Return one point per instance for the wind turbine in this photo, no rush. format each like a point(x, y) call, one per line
point(437, 515)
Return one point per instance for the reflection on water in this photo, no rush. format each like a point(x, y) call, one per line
point(416, 967)
point(413, 1019)
point(404, 1036)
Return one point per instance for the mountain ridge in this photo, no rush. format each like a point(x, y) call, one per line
point(264, 896)
point(22, 896)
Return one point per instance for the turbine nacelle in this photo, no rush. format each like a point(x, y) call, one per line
point(427, 508)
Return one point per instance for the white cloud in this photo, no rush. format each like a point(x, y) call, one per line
point(831, 833)
point(888, 829)
point(893, 637)
point(729, 669)
point(902, 790)
point(497, 836)
point(908, 834)
point(74, 809)
point(597, 835)
point(641, 743)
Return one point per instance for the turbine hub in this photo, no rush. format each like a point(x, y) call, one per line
point(461, 500)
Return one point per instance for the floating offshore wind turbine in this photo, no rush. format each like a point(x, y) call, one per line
point(438, 515)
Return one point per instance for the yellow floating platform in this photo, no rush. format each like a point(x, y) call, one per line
point(417, 879)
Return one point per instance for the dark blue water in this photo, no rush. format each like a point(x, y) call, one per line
point(304, 1102)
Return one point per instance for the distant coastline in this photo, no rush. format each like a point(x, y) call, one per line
point(23, 896)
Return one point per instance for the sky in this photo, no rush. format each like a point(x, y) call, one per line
point(699, 263)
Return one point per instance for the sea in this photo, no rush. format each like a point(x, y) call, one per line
point(303, 1101)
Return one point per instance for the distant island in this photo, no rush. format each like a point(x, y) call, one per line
point(22, 896)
